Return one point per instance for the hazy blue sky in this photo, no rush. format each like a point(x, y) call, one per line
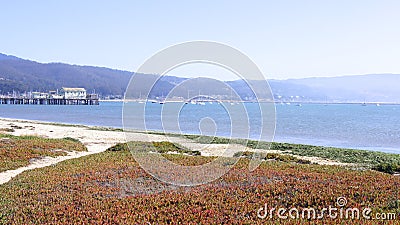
point(286, 39)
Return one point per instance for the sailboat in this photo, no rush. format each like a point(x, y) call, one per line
point(364, 103)
point(140, 98)
point(326, 101)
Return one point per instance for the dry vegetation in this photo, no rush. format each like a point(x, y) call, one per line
point(111, 188)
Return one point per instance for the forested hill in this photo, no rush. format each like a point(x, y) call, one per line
point(24, 75)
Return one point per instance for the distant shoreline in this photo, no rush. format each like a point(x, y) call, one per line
point(276, 102)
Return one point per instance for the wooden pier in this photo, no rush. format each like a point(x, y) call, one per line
point(47, 101)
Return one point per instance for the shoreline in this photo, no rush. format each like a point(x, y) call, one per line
point(99, 139)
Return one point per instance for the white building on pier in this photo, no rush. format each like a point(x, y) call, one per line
point(73, 93)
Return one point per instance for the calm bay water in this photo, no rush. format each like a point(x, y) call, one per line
point(342, 125)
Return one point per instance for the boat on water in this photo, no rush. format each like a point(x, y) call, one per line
point(364, 103)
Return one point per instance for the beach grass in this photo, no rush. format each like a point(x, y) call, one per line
point(111, 188)
point(19, 151)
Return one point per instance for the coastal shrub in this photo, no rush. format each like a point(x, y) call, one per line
point(72, 139)
point(245, 154)
point(207, 139)
point(7, 129)
point(160, 147)
point(16, 127)
point(165, 147)
point(303, 161)
point(118, 147)
point(279, 157)
point(387, 168)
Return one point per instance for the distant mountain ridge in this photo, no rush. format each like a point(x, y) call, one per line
point(370, 88)
point(21, 75)
point(8, 57)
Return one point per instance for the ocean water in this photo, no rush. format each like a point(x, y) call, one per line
point(338, 125)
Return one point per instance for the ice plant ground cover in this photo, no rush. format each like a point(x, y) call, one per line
point(17, 151)
point(110, 187)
